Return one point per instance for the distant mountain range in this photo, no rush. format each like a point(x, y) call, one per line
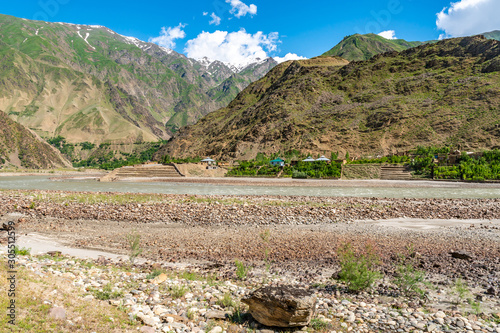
point(88, 83)
point(492, 35)
point(442, 93)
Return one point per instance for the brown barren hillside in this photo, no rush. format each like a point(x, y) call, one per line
point(446, 93)
point(22, 148)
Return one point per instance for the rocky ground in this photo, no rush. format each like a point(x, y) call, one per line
point(285, 240)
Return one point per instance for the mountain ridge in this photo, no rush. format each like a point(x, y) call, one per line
point(363, 47)
point(86, 80)
point(441, 93)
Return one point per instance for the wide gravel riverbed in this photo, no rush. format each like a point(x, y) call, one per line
point(294, 237)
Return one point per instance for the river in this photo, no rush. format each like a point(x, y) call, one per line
point(414, 189)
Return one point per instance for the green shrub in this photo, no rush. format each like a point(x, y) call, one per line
point(318, 325)
point(154, 274)
point(227, 301)
point(409, 280)
point(461, 290)
point(356, 269)
point(106, 293)
point(134, 242)
point(23, 251)
point(299, 174)
point(87, 145)
point(241, 270)
point(178, 291)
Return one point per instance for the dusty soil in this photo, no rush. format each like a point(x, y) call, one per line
point(200, 170)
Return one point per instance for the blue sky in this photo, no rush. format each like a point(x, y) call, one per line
point(250, 28)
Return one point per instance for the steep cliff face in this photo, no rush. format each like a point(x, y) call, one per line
point(88, 83)
point(22, 148)
point(441, 93)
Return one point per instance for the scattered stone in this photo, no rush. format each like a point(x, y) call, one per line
point(54, 253)
point(236, 329)
point(214, 314)
point(283, 306)
point(491, 291)
point(160, 279)
point(58, 313)
point(461, 255)
point(216, 329)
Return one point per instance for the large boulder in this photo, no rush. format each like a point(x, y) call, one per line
point(282, 306)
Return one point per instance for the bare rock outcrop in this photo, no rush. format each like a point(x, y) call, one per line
point(282, 306)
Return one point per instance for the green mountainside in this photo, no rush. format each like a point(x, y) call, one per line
point(363, 47)
point(22, 148)
point(492, 35)
point(88, 83)
point(444, 93)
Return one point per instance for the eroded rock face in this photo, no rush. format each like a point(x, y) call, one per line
point(283, 306)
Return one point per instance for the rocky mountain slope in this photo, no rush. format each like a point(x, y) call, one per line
point(363, 47)
point(88, 83)
point(22, 148)
point(441, 93)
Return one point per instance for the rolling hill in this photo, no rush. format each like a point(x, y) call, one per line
point(444, 93)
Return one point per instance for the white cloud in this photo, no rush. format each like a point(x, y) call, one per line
point(205, 13)
point(239, 9)
point(168, 36)
point(289, 56)
point(215, 19)
point(237, 48)
point(389, 34)
point(469, 17)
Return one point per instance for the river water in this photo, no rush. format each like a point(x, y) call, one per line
point(446, 190)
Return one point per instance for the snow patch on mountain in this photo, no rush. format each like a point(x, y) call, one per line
point(235, 68)
point(85, 39)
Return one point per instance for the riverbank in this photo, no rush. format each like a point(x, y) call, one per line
point(68, 173)
point(288, 240)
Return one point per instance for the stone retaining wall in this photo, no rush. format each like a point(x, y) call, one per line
point(361, 171)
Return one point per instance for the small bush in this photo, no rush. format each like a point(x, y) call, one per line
point(227, 301)
point(475, 305)
point(154, 274)
point(178, 291)
point(318, 325)
point(191, 276)
point(409, 280)
point(23, 251)
point(357, 269)
point(299, 174)
point(241, 270)
point(191, 314)
point(106, 293)
point(461, 290)
point(134, 242)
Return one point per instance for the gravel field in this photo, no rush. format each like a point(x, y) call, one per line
point(448, 239)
